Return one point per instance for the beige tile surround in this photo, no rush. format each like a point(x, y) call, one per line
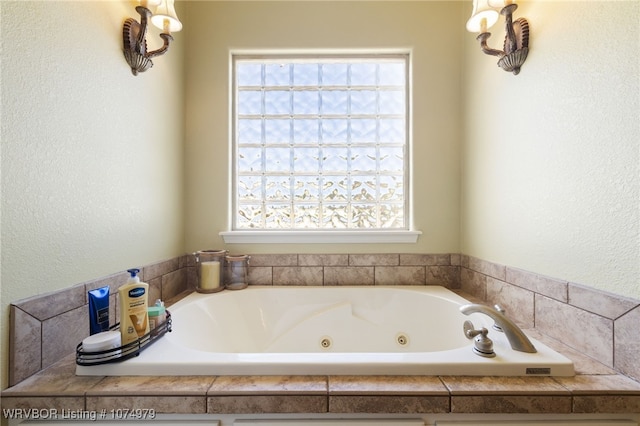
point(600, 325)
point(603, 326)
point(45, 328)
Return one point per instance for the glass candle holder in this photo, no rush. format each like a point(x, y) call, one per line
point(210, 270)
point(237, 276)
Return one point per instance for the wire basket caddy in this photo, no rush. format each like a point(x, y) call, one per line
point(123, 352)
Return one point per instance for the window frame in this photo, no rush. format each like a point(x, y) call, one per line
point(406, 234)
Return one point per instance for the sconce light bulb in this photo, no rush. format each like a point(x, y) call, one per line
point(483, 25)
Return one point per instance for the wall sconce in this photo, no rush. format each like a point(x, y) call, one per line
point(516, 42)
point(134, 33)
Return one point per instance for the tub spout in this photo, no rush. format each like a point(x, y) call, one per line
point(518, 340)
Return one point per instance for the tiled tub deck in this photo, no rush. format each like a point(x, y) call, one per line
point(596, 388)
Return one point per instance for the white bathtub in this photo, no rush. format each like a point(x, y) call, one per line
point(329, 331)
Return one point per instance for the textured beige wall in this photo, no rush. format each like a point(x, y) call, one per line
point(551, 158)
point(424, 27)
point(91, 155)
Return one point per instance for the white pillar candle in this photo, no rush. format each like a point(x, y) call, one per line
point(210, 277)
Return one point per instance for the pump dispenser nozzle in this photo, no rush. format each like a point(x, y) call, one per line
point(133, 275)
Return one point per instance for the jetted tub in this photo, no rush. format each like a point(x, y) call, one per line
point(402, 330)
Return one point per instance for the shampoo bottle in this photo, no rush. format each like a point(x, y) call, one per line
point(134, 319)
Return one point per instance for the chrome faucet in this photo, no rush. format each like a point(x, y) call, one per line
point(518, 340)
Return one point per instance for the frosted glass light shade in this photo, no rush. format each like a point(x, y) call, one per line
point(149, 3)
point(482, 10)
point(166, 15)
point(499, 4)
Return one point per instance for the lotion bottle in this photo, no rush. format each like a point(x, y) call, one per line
point(134, 319)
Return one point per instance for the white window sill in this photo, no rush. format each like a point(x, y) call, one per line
point(320, 237)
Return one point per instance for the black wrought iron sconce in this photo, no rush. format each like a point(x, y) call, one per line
point(516, 42)
point(134, 33)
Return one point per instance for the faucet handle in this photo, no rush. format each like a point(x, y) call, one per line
point(482, 345)
point(468, 328)
point(501, 310)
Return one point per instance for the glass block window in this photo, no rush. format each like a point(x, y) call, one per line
point(320, 142)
